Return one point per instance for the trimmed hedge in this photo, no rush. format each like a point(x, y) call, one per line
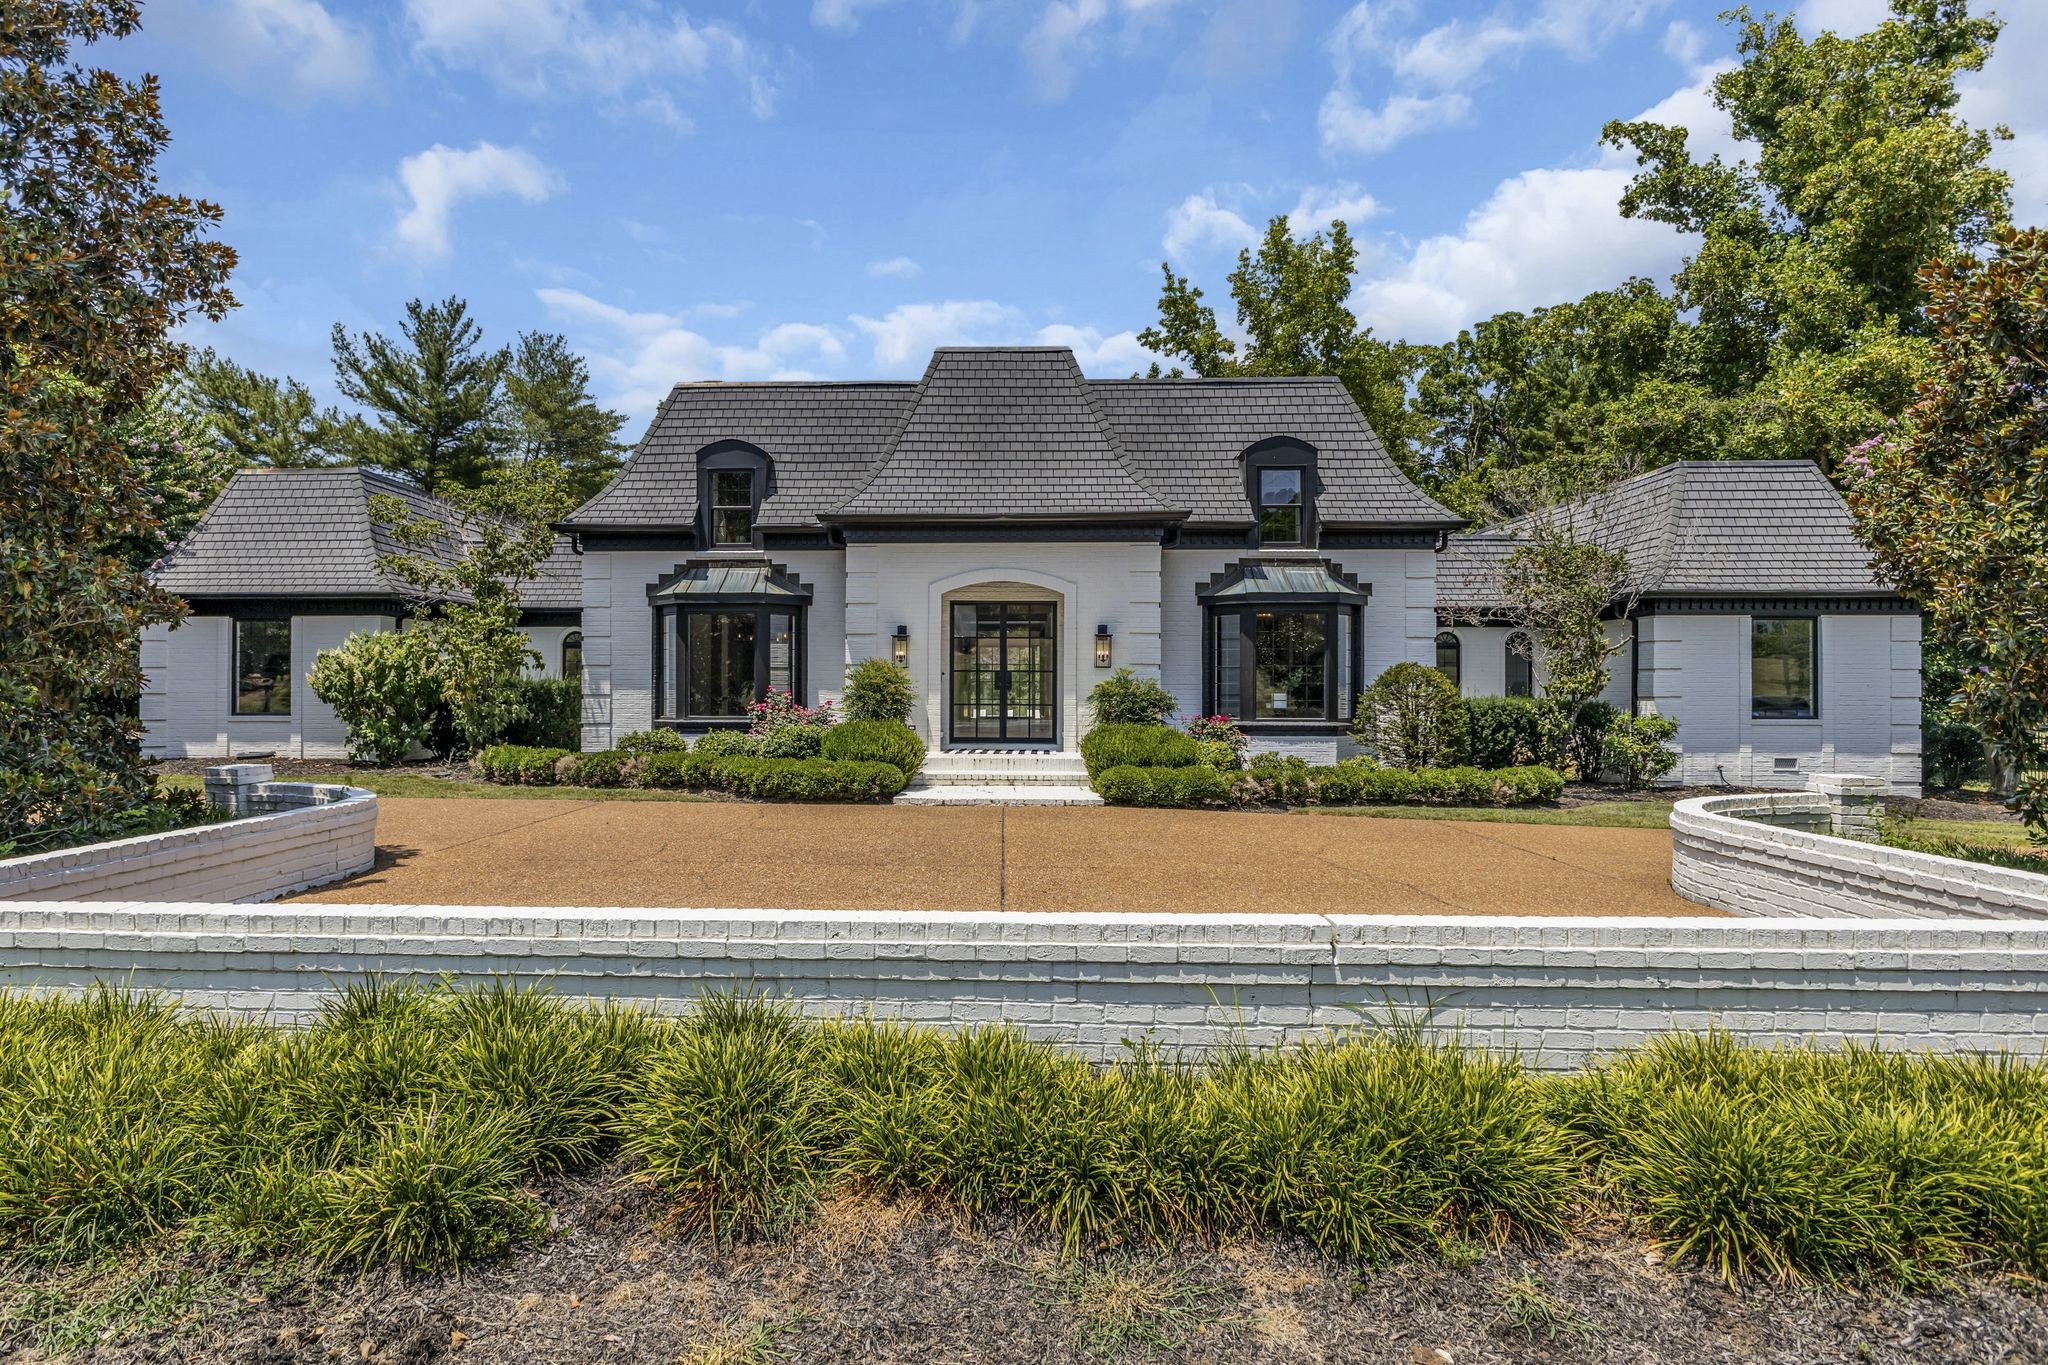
point(1506, 731)
point(1137, 746)
point(1278, 780)
point(609, 768)
point(775, 779)
point(520, 764)
point(551, 714)
point(728, 744)
point(876, 741)
point(653, 742)
point(1129, 785)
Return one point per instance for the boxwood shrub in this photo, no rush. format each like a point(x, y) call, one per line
point(728, 744)
point(653, 742)
point(775, 779)
point(1364, 783)
point(1129, 785)
point(609, 768)
point(876, 741)
point(517, 763)
point(1137, 746)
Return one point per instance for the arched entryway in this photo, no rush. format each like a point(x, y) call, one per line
point(1003, 666)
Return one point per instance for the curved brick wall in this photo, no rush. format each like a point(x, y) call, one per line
point(308, 834)
point(1762, 855)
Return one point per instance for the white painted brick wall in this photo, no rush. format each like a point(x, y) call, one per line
point(1751, 868)
point(257, 858)
point(1562, 990)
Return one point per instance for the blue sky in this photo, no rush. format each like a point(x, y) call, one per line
point(830, 188)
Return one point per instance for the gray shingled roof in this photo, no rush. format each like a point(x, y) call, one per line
point(308, 533)
point(1012, 431)
point(1695, 528)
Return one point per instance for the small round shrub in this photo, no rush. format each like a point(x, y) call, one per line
point(1412, 717)
point(728, 744)
point(1200, 785)
point(1138, 746)
point(1125, 785)
point(1639, 748)
point(878, 689)
point(1124, 698)
point(791, 741)
point(605, 769)
point(653, 742)
point(876, 741)
point(1219, 754)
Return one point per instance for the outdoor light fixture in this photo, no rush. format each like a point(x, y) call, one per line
point(899, 646)
point(1102, 646)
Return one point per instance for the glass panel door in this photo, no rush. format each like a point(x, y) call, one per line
point(1003, 660)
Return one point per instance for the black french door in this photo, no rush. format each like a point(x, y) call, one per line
point(1005, 683)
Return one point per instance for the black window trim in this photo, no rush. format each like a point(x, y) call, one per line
point(1283, 452)
point(1337, 704)
point(1812, 617)
point(728, 457)
point(1456, 672)
point(672, 657)
point(563, 659)
point(1513, 658)
point(235, 624)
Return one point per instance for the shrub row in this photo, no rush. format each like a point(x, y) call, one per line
point(775, 779)
point(1271, 779)
point(408, 1126)
point(863, 761)
point(1137, 746)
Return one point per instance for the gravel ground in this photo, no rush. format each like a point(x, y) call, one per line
point(862, 1281)
point(735, 854)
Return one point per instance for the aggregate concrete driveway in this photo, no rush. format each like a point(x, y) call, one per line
point(740, 855)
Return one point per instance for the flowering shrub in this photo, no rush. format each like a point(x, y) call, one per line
point(1222, 729)
point(785, 728)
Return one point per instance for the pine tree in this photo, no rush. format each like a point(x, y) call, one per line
point(257, 420)
point(433, 396)
point(551, 415)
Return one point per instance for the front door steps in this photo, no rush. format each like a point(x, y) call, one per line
point(1000, 777)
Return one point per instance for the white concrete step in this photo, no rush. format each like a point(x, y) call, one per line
point(919, 793)
point(1003, 767)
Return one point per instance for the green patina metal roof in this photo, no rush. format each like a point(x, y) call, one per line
point(731, 580)
point(1296, 579)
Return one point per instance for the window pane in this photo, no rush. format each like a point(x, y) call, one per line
point(263, 668)
point(720, 653)
point(732, 527)
point(1521, 666)
point(782, 652)
point(1288, 652)
point(1448, 661)
point(572, 655)
point(1781, 669)
point(1278, 486)
point(1229, 665)
point(732, 488)
point(1280, 506)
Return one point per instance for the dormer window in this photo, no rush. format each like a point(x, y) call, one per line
point(1280, 506)
point(732, 507)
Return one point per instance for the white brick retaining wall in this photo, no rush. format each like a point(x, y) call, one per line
point(1561, 989)
point(1763, 855)
point(306, 834)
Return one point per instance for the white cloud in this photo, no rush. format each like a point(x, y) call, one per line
point(843, 15)
point(440, 178)
point(895, 268)
point(295, 49)
point(2008, 91)
point(905, 336)
point(1199, 223)
point(1544, 236)
point(546, 47)
point(638, 357)
point(1067, 30)
point(1709, 132)
point(1432, 72)
point(1683, 43)
point(1320, 206)
point(1103, 357)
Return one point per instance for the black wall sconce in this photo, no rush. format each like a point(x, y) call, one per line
point(1102, 646)
point(899, 646)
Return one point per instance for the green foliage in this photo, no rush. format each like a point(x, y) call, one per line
point(1124, 698)
point(878, 689)
point(1560, 584)
point(181, 470)
point(1954, 504)
point(1292, 308)
point(876, 741)
point(783, 727)
point(550, 415)
point(1800, 1163)
point(1507, 731)
point(608, 768)
point(1360, 782)
point(1219, 754)
point(727, 744)
point(1412, 717)
point(1195, 785)
point(517, 763)
point(407, 1125)
point(1274, 779)
point(252, 419)
point(1586, 740)
point(433, 395)
point(99, 267)
point(774, 779)
point(653, 742)
point(1141, 744)
point(1639, 748)
point(550, 713)
point(383, 685)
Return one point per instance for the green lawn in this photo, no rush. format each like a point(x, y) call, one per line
point(415, 784)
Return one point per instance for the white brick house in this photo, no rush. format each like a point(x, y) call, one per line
point(1011, 531)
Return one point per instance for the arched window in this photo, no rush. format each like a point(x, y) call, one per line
point(572, 655)
point(1521, 666)
point(1447, 655)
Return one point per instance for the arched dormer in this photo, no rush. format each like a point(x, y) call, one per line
point(1281, 484)
point(733, 479)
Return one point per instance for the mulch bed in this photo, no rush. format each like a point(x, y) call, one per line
point(862, 1281)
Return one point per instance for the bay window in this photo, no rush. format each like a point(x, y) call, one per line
point(720, 660)
point(1282, 662)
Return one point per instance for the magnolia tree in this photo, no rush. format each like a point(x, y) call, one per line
point(1954, 501)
